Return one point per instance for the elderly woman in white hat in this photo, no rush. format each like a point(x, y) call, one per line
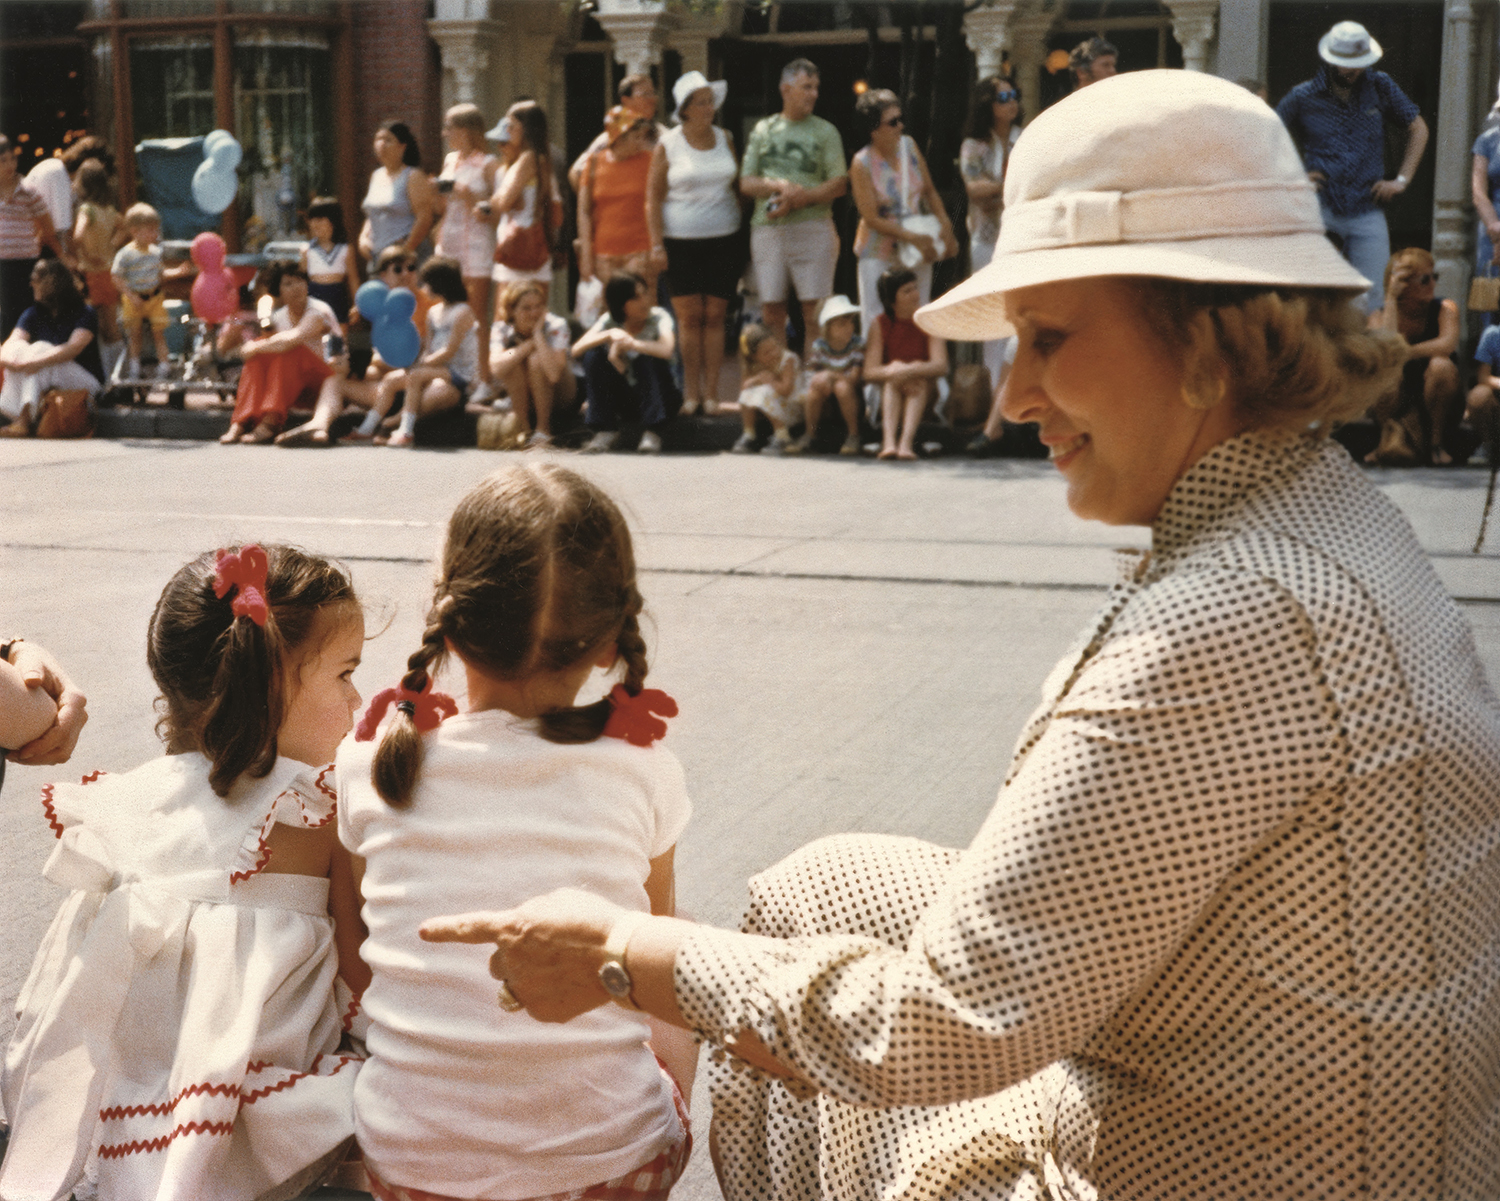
point(1232, 928)
point(693, 214)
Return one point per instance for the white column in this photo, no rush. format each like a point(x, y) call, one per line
point(1244, 26)
point(1193, 27)
point(985, 30)
point(1028, 47)
point(639, 30)
point(465, 47)
point(1452, 217)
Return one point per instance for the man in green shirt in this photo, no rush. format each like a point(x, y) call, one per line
point(795, 168)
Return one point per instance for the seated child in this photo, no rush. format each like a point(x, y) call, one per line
point(526, 791)
point(770, 386)
point(833, 368)
point(137, 273)
point(178, 1036)
point(906, 362)
point(449, 366)
point(1483, 412)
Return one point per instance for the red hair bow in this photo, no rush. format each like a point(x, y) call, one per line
point(428, 709)
point(634, 717)
point(245, 571)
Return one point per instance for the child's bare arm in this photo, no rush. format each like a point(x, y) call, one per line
point(786, 377)
point(345, 874)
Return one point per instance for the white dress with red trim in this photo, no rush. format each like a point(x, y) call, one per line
point(178, 1036)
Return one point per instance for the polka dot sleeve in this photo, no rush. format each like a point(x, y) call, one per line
point(1163, 764)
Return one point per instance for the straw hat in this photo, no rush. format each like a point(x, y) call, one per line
point(696, 81)
point(619, 121)
point(1175, 174)
point(1349, 44)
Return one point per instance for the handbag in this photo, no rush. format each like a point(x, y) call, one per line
point(523, 247)
point(918, 223)
point(1484, 292)
point(65, 413)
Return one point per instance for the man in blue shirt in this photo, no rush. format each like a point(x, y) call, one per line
point(1338, 118)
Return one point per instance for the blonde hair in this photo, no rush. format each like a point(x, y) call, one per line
point(1299, 358)
point(752, 338)
point(1415, 255)
point(141, 214)
point(538, 575)
point(513, 293)
point(466, 116)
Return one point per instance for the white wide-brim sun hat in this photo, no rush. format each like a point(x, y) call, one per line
point(1349, 44)
point(1174, 174)
point(695, 81)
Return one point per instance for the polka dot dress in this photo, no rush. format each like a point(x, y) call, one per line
point(1231, 930)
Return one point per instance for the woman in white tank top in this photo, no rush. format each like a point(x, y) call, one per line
point(693, 213)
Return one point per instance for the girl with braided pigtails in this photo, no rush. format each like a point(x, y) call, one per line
point(526, 789)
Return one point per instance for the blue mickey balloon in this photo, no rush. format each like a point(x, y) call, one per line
point(392, 331)
point(215, 183)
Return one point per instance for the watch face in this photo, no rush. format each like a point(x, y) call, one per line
point(615, 978)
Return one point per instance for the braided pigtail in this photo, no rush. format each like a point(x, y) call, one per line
point(585, 723)
point(398, 759)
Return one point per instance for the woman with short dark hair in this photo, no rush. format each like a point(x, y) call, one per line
point(627, 366)
point(55, 344)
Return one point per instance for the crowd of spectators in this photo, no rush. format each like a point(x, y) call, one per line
point(676, 216)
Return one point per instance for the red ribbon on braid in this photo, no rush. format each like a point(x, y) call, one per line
point(634, 717)
point(428, 708)
point(244, 571)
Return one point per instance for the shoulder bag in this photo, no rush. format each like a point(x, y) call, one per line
point(918, 223)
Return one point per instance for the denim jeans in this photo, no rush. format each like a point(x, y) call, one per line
point(653, 399)
point(1367, 246)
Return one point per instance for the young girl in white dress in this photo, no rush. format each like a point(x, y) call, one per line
point(332, 276)
point(179, 1035)
point(525, 791)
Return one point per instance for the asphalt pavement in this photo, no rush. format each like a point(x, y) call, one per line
point(854, 645)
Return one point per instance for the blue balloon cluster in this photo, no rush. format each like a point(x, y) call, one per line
point(392, 331)
point(215, 182)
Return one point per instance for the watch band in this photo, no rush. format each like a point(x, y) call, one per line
point(1402, 180)
point(613, 973)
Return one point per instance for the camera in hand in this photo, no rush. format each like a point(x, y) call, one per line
point(444, 185)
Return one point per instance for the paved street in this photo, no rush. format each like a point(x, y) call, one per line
point(854, 645)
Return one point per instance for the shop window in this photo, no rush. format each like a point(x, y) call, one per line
point(284, 122)
point(172, 87)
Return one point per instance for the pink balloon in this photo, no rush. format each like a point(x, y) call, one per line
point(215, 295)
point(208, 251)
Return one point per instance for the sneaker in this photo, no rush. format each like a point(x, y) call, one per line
point(482, 394)
point(799, 447)
point(132, 369)
point(537, 440)
point(650, 443)
point(744, 445)
point(164, 371)
point(599, 443)
point(710, 405)
point(779, 444)
point(850, 446)
point(689, 407)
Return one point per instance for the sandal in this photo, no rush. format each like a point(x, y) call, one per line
point(400, 441)
point(232, 434)
point(261, 434)
point(304, 436)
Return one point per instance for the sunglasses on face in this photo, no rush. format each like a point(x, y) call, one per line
point(893, 121)
point(1005, 97)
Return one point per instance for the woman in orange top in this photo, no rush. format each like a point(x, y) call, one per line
point(612, 233)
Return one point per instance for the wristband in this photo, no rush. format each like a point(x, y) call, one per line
point(1402, 180)
point(612, 972)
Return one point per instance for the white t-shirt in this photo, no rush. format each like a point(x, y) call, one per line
point(281, 318)
point(459, 1097)
point(50, 180)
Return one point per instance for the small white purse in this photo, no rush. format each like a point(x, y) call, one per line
point(925, 224)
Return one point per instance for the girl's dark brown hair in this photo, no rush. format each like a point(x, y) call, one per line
point(222, 677)
point(538, 575)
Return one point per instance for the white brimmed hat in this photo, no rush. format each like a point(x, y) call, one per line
point(1175, 174)
point(501, 132)
point(695, 81)
point(836, 306)
point(1349, 44)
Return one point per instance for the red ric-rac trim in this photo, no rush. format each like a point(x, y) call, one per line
point(330, 793)
point(50, 810)
point(350, 1013)
point(262, 851)
point(117, 1112)
point(120, 1150)
point(251, 1098)
point(302, 807)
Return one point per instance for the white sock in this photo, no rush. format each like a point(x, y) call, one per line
point(409, 421)
point(370, 424)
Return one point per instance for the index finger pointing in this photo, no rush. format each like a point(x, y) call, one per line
point(464, 927)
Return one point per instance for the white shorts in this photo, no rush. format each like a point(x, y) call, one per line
point(503, 275)
point(804, 253)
